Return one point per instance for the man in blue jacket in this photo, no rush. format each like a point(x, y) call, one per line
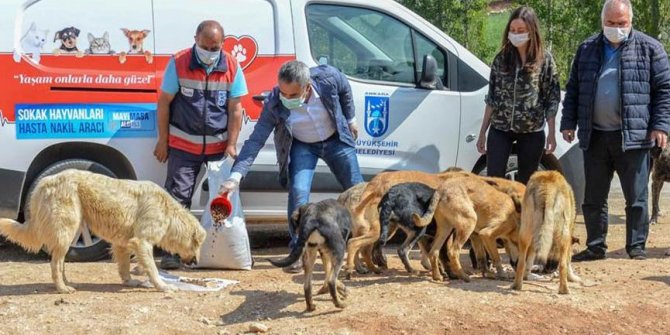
point(312, 114)
point(618, 99)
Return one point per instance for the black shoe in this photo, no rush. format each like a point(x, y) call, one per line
point(294, 268)
point(588, 255)
point(170, 262)
point(638, 254)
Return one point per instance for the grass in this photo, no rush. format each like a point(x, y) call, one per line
point(493, 30)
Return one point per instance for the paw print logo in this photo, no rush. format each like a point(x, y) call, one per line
point(240, 53)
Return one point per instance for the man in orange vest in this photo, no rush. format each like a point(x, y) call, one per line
point(199, 113)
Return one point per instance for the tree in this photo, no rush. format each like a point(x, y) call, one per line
point(463, 20)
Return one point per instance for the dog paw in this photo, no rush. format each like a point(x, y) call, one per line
point(240, 53)
point(167, 288)
point(310, 308)
point(150, 59)
point(138, 271)
point(66, 289)
point(79, 54)
point(516, 287)
point(340, 304)
point(133, 283)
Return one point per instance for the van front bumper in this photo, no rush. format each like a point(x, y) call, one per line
point(11, 182)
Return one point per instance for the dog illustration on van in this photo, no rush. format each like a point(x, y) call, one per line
point(136, 45)
point(31, 43)
point(68, 42)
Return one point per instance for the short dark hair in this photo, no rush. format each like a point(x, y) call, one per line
point(294, 72)
point(208, 25)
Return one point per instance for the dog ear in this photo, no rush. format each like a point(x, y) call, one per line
point(76, 31)
point(57, 36)
point(146, 32)
point(125, 31)
point(518, 200)
point(33, 27)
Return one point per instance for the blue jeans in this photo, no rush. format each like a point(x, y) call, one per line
point(340, 158)
point(601, 160)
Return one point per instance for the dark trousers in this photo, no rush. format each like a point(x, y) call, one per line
point(529, 149)
point(182, 170)
point(604, 157)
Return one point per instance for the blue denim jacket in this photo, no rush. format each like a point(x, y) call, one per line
point(335, 92)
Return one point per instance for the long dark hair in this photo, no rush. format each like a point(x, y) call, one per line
point(534, 52)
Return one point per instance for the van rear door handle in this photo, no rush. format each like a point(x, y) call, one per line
point(470, 138)
point(261, 97)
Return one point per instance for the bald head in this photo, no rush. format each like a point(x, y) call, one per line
point(209, 35)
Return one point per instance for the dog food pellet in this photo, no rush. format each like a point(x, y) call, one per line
point(219, 214)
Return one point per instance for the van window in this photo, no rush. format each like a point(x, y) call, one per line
point(374, 45)
point(425, 46)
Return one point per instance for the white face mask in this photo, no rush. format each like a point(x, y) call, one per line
point(207, 57)
point(518, 40)
point(616, 34)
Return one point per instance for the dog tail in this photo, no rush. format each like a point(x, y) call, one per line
point(427, 218)
point(20, 233)
point(385, 212)
point(305, 231)
point(547, 220)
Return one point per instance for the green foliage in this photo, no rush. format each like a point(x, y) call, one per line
point(564, 23)
point(463, 20)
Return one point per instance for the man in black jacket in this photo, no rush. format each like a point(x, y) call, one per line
point(618, 99)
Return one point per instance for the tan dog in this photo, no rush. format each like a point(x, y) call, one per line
point(133, 216)
point(366, 215)
point(471, 205)
point(136, 45)
point(547, 223)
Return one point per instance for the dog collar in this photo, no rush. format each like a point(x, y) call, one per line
point(63, 47)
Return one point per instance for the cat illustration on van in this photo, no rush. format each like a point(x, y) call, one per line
point(99, 45)
point(31, 43)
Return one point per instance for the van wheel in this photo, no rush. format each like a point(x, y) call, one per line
point(86, 247)
point(548, 162)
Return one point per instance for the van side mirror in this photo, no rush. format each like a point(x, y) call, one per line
point(429, 78)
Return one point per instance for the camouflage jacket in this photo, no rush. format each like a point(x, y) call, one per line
point(523, 99)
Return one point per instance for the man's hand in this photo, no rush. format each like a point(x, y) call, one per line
point(568, 135)
point(161, 151)
point(660, 138)
point(228, 187)
point(231, 151)
point(354, 130)
point(551, 144)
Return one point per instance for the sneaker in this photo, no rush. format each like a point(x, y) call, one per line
point(638, 254)
point(170, 262)
point(294, 268)
point(588, 255)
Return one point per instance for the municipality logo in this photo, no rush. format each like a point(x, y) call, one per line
point(376, 115)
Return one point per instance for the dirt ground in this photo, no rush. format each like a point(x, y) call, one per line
point(622, 297)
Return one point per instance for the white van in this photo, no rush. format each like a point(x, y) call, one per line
point(90, 102)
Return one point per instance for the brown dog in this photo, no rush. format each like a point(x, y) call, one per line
point(366, 215)
point(136, 45)
point(472, 205)
point(547, 223)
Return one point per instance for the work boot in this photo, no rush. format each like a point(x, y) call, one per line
point(588, 255)
point(170, 262)
point(294, 268)
point(637, 254)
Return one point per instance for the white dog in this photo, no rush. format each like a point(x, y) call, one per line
point(133, 216)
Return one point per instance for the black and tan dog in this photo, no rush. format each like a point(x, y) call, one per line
point(322, 227)
point(547, 222)
point(68, 42)
point(405, 204)
point(659, 175)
